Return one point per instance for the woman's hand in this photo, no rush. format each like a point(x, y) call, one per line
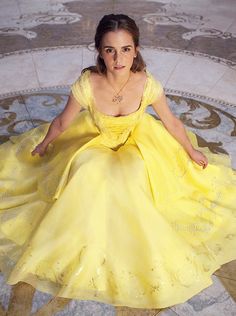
point(40, 149)
point(199, 158)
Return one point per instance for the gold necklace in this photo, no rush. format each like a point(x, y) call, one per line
point(118, 97)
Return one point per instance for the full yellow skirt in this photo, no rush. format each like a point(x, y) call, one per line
point(143, 226)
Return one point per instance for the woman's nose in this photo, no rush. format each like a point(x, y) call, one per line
point(117, 57)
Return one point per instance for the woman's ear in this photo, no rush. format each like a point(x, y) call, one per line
point(99, 54)
point(136, 51)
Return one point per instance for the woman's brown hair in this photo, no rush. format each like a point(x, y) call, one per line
point(113, 22)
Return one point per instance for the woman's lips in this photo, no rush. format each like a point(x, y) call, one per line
point(119, 67)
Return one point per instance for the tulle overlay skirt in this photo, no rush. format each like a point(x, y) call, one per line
point(142, 226)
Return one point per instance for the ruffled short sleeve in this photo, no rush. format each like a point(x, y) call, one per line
point(155, 90)
point(80, 90)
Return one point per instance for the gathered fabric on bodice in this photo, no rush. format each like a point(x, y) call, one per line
point(114, 130)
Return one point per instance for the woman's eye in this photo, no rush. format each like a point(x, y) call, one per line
point(109, 50)
point(127, 49)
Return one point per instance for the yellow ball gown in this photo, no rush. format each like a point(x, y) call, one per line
point(115, 211)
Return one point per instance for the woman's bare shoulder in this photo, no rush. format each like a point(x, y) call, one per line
point(95, 77)
point(140, 77)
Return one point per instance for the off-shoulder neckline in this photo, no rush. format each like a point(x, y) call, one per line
point(120, 116)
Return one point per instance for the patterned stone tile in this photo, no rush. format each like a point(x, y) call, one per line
point(128, 311)
point(40, 299)
point(225, 85)
point(9, 8)
point(212, 300)
point(52, 24)
point(204, 28)
point(56, 67)
point(45, 105)
point(19, 73)
point(164, 64)
point(228, 270)
point(14, 118)
point(232, 27)
point(88, 308)
point(176, 70)
point(229, 285)
point(56, 23)
point(196, 75)
point(5, 292)
point(168, 312)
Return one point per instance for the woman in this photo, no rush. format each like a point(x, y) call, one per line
point(119, 208)
point(120, 72)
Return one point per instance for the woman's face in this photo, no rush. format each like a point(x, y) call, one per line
point(118, 51)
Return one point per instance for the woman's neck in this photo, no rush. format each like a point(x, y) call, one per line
point(118, 80)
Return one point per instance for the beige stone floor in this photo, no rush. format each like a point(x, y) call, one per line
point(189, 45)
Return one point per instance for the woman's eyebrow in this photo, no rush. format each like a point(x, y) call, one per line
point(114, 47)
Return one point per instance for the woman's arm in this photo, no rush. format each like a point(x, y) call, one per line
point(59, 124)
point(176, 128)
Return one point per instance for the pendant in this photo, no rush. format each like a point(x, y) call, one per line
point(117, 98)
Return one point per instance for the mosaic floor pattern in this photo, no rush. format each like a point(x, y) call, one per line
point(189, 45)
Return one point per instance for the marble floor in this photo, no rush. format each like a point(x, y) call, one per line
point(190, 46)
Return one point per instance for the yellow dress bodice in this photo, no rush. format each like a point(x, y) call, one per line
point(114, 131)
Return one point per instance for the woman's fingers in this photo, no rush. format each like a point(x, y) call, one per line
point(203, 163)
point(39, 149)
